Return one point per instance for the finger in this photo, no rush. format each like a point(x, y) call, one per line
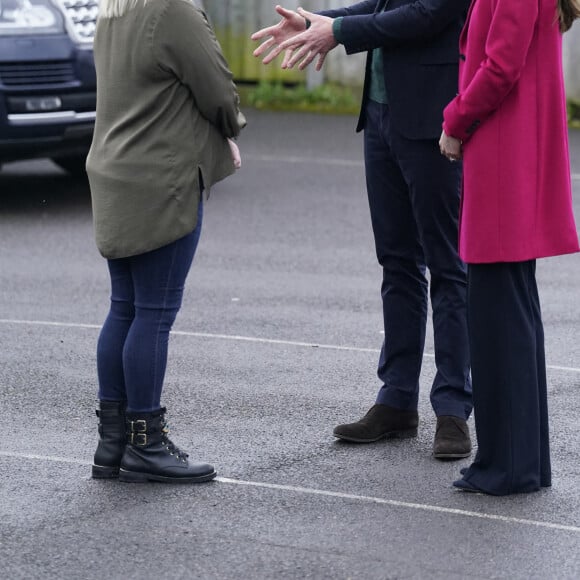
point(272, 55)
point(263, 33)
point(298, 55)
point(283, 12)
point(296, 40)
point(320, 61)
point(267, 45)
point(306, 14)
point(309, 58)
point(287, 57)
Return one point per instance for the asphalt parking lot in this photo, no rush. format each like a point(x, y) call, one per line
point(276, 343)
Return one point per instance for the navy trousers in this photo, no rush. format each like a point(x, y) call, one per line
point(509, 379)
point(413, 195)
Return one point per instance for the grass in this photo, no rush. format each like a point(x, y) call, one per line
point(574, 113)
point(326, 98)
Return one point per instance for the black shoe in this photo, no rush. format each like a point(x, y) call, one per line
point(151, 456)
point(451, 438)
point(466, 486)
point(112, 439)
point(380, 422)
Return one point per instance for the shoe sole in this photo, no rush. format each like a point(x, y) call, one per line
point(103, 472)
point(451, 455)
point(406, 434)
point(136, 477)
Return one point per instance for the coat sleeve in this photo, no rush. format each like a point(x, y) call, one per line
point(365, 7)
point(506, 49)
point(186, 45)
point(417, 21)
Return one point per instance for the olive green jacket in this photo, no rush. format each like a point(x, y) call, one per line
point(166, 103)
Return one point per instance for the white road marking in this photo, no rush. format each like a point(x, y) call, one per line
point(402, 504)
point(323, 161)
point(303, 160)
point(337, 495)
point(235, 337)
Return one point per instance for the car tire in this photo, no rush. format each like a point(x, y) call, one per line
point(75, 164)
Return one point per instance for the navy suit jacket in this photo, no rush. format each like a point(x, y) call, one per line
point(420, 41)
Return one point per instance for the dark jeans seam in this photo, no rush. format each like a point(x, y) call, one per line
point(160, 322)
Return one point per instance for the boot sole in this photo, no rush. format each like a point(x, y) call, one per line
point(136, 477)
point(405, 434)
point(102, 472)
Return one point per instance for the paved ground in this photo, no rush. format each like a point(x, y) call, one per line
point(286, 263)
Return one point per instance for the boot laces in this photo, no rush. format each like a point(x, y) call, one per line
point(170, 446)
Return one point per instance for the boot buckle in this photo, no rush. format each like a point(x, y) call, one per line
point(139, 439)
point(139, 426)
point(139, 432)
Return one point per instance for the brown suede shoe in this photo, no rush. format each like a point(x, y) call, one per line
point(380, 422)
point(451, 438)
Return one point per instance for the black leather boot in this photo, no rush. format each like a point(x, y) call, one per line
point(112, 439)
point(151, 456)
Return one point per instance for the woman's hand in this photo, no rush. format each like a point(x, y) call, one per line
point(235, 153)
point(290, 25)
point(450, 147)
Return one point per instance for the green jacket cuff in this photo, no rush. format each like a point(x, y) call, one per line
point(336, 28)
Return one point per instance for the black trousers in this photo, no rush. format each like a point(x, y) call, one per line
point(509, 379)
point(413, 195)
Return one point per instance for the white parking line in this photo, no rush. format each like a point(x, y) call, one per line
point(323, 161)
point(337, 495)
point(303, 160)
point(235, 337)
point(402, 504)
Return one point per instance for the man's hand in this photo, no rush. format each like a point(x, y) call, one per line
point(235, 153)
point(318, 40)
point(450, 147)
point(290, 25)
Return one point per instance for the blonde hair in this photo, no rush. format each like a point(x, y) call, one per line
point(568, 11)
point(114, 8)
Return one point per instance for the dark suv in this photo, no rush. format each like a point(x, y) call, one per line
point(47, 80)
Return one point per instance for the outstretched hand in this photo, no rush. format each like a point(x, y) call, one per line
point(317, 41)
point(273, 36)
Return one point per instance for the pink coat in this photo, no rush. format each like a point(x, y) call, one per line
point(510, 114)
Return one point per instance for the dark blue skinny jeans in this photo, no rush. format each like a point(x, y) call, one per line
point(146, 294)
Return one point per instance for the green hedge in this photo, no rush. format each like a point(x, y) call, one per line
point(327, 98)
point(574, 113)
